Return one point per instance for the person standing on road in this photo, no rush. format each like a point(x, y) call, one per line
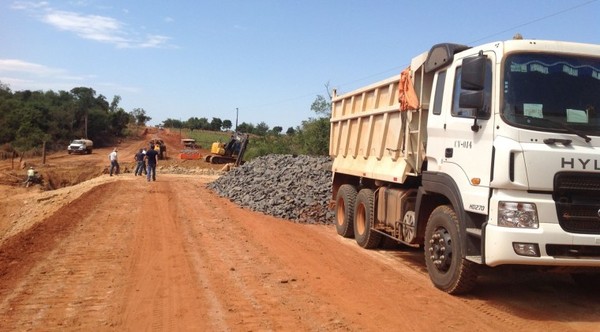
point(144, 161)
point(114, 162)
point(152, 160)
point(139, 160)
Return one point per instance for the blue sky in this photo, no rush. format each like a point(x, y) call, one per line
point(267, 58)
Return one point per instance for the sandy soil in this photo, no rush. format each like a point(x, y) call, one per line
point(121, 254)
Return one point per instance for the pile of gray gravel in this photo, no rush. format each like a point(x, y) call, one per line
point(297, 188)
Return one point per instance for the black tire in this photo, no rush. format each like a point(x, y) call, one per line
point(344, 210)
point(588, 281)
point(364, 216)
point(447, 269)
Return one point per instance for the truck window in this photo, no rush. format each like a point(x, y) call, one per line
point(439, 93)
point(552, 92)
point(469, 112)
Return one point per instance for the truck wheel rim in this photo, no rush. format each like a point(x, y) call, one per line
point(360, 219)
point(441, 249)
point(341, 208)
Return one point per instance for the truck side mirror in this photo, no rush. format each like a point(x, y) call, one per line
point(471, 99)
point(473, 73)
point(472, 86)
point(472, 83)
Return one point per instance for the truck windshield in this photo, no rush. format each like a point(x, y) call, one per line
point(558, 93)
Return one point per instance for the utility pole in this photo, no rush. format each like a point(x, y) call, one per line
point(236, 118)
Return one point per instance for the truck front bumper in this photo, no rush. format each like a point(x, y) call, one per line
point(552, 245)
point(555, 246)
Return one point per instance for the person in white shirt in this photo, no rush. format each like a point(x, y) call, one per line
point(114, 162)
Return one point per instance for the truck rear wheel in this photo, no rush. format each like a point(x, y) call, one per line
point(447, 269)
point(344, 210)
point(364, 215)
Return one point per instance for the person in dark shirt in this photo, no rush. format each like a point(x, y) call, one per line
point(152, 160)
point(139, 159)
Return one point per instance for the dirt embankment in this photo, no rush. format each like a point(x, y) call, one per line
point(123, 254)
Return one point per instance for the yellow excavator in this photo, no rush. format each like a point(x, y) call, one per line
point(230, 152)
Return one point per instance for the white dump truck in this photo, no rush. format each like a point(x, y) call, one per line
point(81, 146)
point(485, 156)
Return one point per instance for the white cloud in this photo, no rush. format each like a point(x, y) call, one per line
point(11, 81)
point(29, 5)
point(93, 27)
point(15, 65)
point(23, 75)
point(154, 41)
point(98, 28)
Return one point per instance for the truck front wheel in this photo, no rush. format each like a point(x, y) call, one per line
point(364, 234)
point(344, 210)
point(448, 270)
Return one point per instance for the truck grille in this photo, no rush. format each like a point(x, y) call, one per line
point(577, 198)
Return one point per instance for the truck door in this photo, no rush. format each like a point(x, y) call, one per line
point(467, 144)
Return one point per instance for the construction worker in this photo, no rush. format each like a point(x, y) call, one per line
point(114, 162)
point(30, 175)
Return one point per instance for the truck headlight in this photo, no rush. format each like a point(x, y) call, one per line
point(518, 215)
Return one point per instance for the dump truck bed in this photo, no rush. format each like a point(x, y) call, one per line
point(371, 138)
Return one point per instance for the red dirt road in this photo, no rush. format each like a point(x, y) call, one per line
point(121, 254)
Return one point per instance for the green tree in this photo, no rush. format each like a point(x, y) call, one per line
point(261, 129)
point(216, 124)
point(9, 117)
point(139, 114)
point(4, 88)
point(29, 118)
point(245, 128)
point(314, 136)
point(114, 104)
point(173, 123)
point(85, 100)
point(277, 130)
point(119, 121)
point(321, 106)
point(226, 124)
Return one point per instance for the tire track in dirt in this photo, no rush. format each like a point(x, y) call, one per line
point(240, 269)
point(163, 293)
